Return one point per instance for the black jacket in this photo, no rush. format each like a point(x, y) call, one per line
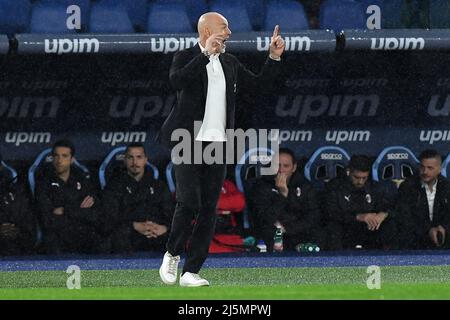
point(15, 209)
point(299, 212)
point(126, 200)
point(413, 213)
point(52, 192)
point(189, 77)
point(343, 201)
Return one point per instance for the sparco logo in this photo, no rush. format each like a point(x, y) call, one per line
point(335, 106)
point(167, 45)
point(19, 138)
point(123, 137)
point(331, 156)
point(22, 107)
point(347, 136)
point(290, 135)
point(432, 136)
point(61, 46)
point(291, 43)
point(397, 43)
point(141, 107)
point(397, 156)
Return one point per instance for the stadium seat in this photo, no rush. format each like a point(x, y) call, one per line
point(289, 15)
point(446, 167)
point(326, 163)
point(168, 18)
point(344, 14)
point(170, 177)
point(12, 173)
point(439, 14)
point(194, 8)
point(256, 11)
point(236, 14)
point(391, 14)
point(395, 164)
point(43, 161)
point(49, 18)
point(109, 18)
point(114, 162)
point(14, 16)
point(246, 172)
point(84, 10)
point(137, 10)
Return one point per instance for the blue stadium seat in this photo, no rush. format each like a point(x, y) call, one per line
point(326, 163)
point(236, 14)
point(170, 177)
point(395, 164)
point(246, 172)
point(49, 18)
point(110, 18)
point(168, 18)
point(12, 173)
point(137, 10)
point(445, 171)
point(289, 15)
point(43, 160)
point(14, 16)
point(194, 8)
point(256, 11)
point(343, 14)
point(114, 162)
point(83, 4)
point(439, 14)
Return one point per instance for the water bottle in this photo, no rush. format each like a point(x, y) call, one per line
point(278, 240)
point(261, 246)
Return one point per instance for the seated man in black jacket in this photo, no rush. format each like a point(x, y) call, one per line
point(138, 207)
point(17, 224)
point(286, 200)
point(423, 205)
point(357, 211)
point(67, 200)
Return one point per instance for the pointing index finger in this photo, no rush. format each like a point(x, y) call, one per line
point(276, 31)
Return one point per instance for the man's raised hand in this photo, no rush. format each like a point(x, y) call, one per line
point(276, 44)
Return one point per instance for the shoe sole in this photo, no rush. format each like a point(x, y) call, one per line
point(170, 283)
point(194, 285)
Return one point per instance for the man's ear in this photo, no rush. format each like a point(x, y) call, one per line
point(295, 168)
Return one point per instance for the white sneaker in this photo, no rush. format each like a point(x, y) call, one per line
point(169, 268)
point(192, 280)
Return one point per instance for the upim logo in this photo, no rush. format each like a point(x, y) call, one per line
point(19, 138)
point(397, 43)
point(61, 46)
point(318, 105)
point(123, 137)
point(21, 107)
point(290, 135)
point(167, 45)
point(291, 43)
point(347, 136)
point(433, 109)
point(143, 107)
point(397, 156)
point(331, 156)
point(432, 136)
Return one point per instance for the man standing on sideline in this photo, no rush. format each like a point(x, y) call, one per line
point(206, 79)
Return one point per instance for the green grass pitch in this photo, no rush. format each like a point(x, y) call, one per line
point(414, 282)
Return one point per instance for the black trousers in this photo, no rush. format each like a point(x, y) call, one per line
point(198, 189)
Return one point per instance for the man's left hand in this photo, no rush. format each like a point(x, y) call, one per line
point(155, 229)
point(276, 44)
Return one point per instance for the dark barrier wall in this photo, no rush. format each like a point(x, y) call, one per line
point(360, 100)
point(4, 44)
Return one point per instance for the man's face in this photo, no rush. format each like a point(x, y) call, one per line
point(286, 165)
point(219, 25)
point(430, 169)
point(359, 178)
point(62, 159)
point(135, 161)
